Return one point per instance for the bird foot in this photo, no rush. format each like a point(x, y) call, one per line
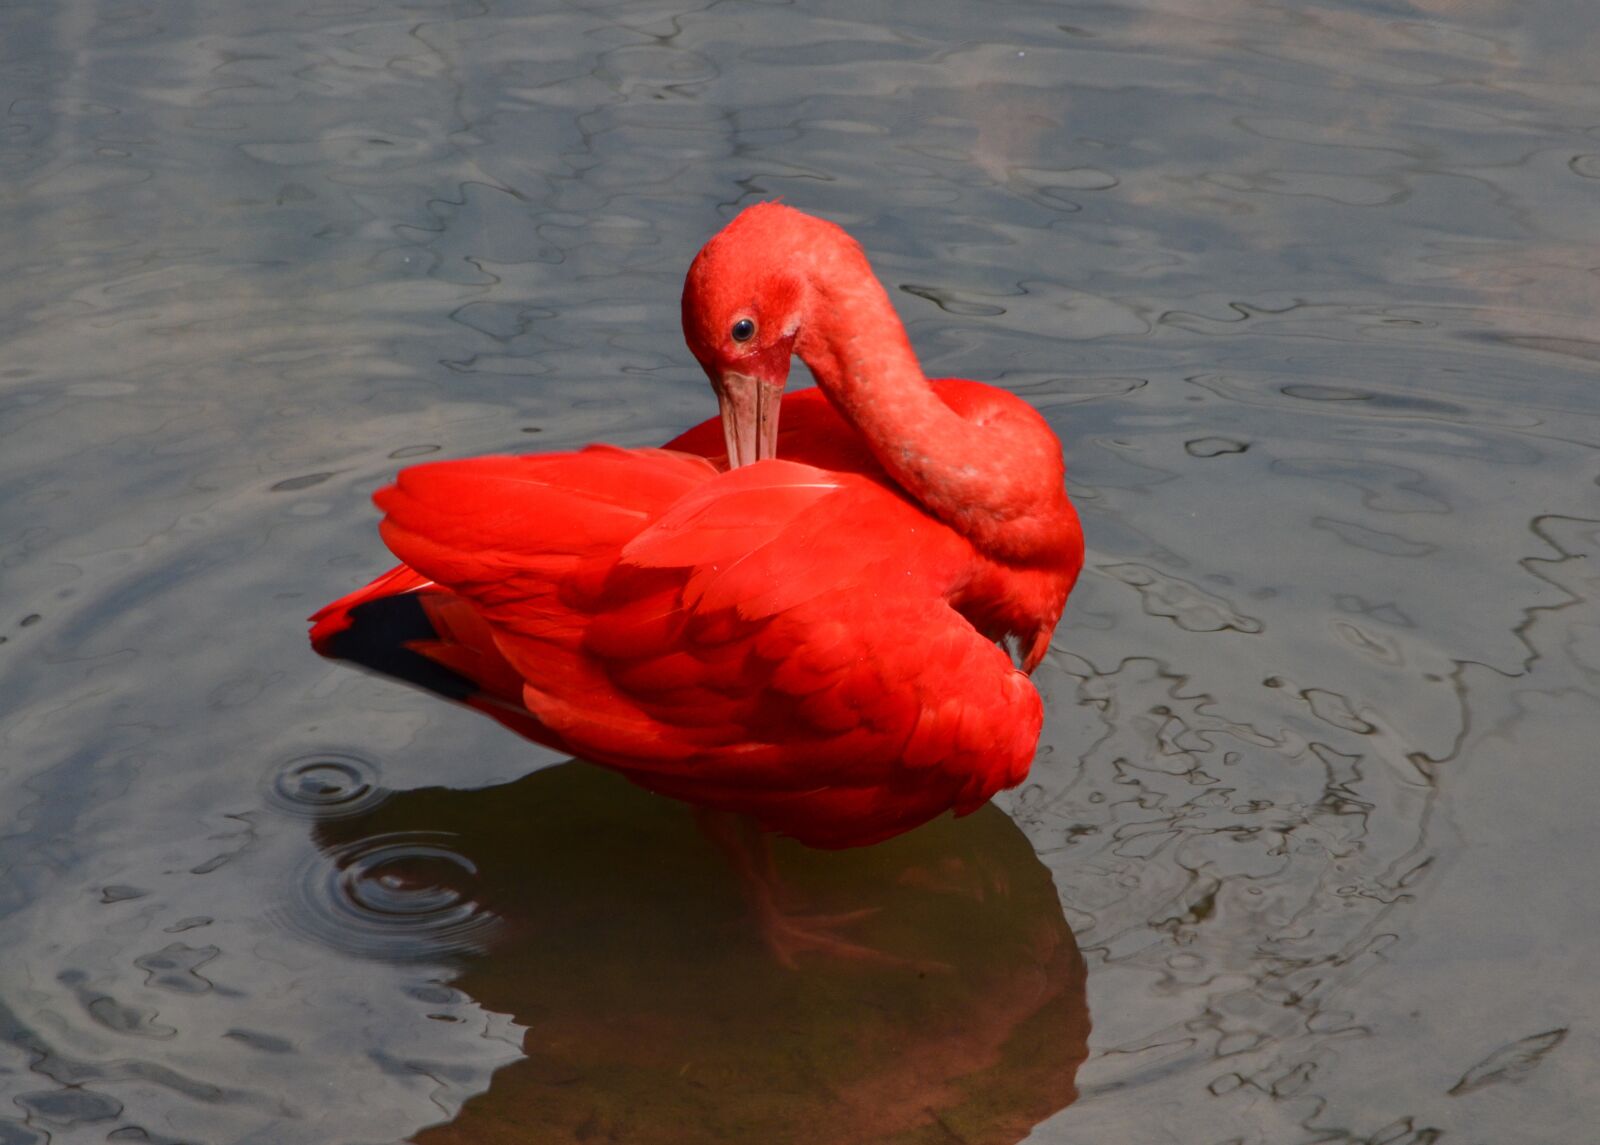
point(790, 935)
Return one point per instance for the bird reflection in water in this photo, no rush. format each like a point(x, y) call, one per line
point(618, 935)
point(795, 620)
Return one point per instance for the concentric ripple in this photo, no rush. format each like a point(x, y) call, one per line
point(401, 897)
point(325, 785)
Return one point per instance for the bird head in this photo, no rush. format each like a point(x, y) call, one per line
point(744, 303)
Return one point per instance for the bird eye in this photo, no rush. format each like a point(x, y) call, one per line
point(743, 330)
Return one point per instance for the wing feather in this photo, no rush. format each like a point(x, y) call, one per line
point(777, 639)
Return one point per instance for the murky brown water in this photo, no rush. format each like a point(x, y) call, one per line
point(1309, 291)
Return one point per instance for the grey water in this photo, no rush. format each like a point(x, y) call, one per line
point(1311, 293)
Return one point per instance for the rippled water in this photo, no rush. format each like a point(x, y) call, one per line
point(1309, 291)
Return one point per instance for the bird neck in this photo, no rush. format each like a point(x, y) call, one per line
point(986, 478)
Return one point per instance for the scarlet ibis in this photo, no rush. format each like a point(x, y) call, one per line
point(797, 618)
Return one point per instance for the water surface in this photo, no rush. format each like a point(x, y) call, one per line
point(1309, 292)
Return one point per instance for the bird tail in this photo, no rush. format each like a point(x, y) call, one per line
point(407, 628)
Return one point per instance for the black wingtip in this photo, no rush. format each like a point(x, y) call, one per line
point(379, 638)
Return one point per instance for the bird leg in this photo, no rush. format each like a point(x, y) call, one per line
point(749, 851)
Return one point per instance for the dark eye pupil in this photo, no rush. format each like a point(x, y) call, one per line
point(744, 330)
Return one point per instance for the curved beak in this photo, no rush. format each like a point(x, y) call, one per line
point(749, 408)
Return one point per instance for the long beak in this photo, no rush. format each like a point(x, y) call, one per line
point(749, 416)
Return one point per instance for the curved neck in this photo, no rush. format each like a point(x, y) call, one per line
point(978, 476)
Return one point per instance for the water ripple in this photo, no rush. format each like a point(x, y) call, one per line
point(401, 897)
point(324, 785)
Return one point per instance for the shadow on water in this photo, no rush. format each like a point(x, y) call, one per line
point(600, 919)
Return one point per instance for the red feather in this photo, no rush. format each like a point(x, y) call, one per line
point(775, 639)
point(811, 641)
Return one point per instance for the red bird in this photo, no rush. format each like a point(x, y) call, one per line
point(807, 636)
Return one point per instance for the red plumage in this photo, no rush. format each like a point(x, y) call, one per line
point(800, 640)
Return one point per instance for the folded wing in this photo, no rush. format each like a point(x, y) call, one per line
point(774, 640)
